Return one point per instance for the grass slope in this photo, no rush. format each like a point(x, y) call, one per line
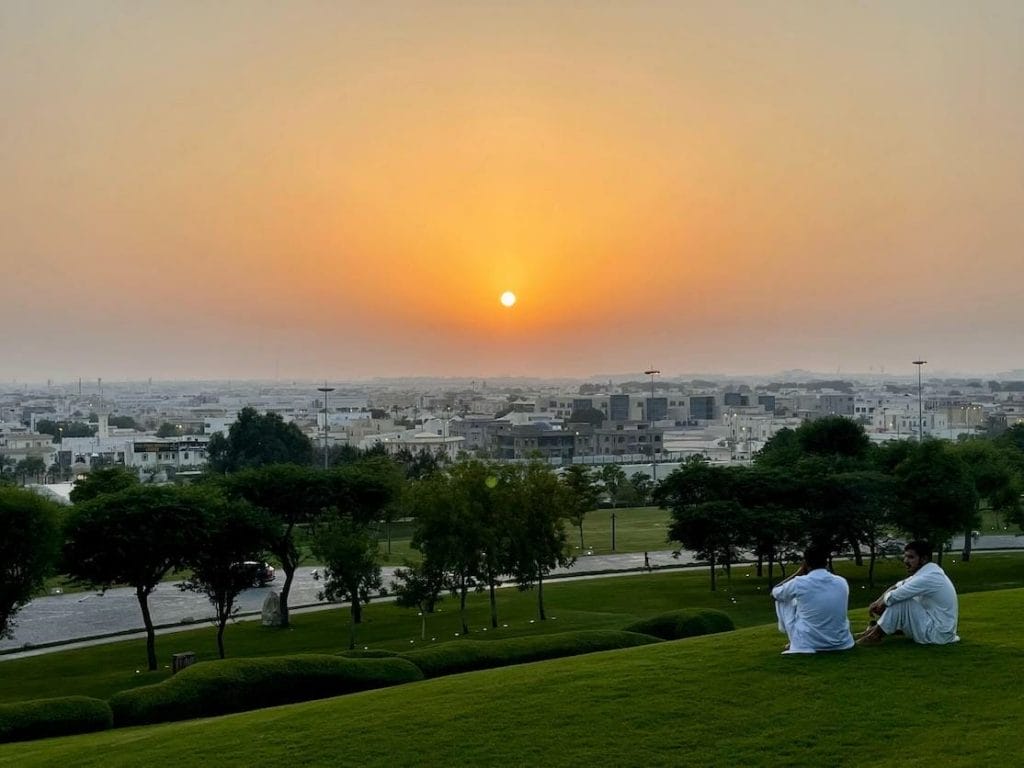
point(726, 700)
point(611, 603)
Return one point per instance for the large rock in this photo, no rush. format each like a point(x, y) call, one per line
point(272, 610)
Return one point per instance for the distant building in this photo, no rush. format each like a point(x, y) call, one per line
point(702, 407)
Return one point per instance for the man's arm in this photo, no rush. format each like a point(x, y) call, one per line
point(878, 606)
point(786, 589)
point(920, 583)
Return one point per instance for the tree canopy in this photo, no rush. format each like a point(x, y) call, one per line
point(29, 544)
point(255, 440)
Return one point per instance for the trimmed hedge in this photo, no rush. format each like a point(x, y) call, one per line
point(369, 653)
point(675, 625)
point(237, 685)
point(43, 718)
point(466, 655)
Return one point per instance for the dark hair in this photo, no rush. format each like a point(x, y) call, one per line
point(816, 556)
point(921, 547)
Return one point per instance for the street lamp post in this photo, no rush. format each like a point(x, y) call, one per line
point(326, 390)
point(920, 411)
point(650, 418)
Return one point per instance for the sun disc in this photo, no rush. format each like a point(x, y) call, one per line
point(508, 298)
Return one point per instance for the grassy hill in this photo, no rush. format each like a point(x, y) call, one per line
point(727, 700)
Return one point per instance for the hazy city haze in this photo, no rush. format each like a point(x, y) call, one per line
point(336, 190)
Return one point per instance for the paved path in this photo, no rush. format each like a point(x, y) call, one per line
point(88, 616)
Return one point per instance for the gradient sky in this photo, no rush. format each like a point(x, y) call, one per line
point(340, 190)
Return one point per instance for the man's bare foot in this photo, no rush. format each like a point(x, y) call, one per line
point(871, 636)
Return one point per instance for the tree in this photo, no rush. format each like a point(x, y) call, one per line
point(103, 480)
point(349, 555)
point(355, 496)
point(712, 529)
point(705, 516)
point(452, 513)
point(30, 467)
point(935, 493)
point(994, 483)
point(29, 546)
point(538, 541)
point(643, 487)
point(135, 536)
point(614, 480)
point(418, 585)
point(583, 489)
point(229, 533)
point(166, 429)
point(255, 440)
point(293, 496)
point(48, 427)
point(123, 422)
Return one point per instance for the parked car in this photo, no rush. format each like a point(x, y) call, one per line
point(891, 546)
point(262, 573)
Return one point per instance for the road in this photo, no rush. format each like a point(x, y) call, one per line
point(90, 616)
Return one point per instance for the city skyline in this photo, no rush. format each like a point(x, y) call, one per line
point(345, 191)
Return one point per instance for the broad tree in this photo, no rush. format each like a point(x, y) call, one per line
point(995, 483)
point(294, 497)
point(135, 536)
point(349, 553)
point(419, 586)
point(343, 540)
point(582, 485)
point(706, 518)
point(452, 512)
point(29, 544)
point(538, 542)
point(103, 480)
point(228, 534)
point(30, 467)
point(255, 440)
point(614, 479)
point(935, 493)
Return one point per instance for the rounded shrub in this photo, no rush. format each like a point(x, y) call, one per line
point(43, 718)
point(466, 655)
point(238, 685)
point(686, 622)
point(369, 653)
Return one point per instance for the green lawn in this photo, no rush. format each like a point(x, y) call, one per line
point(724, 700)
point(608, 603)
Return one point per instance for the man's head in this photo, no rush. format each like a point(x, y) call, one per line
point(816, 557)
point(915, 554)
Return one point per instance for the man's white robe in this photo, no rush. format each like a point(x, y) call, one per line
point(812, 612)
point(924, 606)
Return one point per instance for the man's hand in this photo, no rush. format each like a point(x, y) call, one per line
point(877, 607)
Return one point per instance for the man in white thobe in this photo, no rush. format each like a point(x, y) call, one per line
point(812, 605)
point(923, 606)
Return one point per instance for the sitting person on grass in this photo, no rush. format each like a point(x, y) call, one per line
point(923, 606)
point(811, 606)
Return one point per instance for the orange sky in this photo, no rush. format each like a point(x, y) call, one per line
point(342, 190)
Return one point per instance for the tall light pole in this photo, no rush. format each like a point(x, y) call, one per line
point(650, 418)
point(326, 390)
point(920, 411)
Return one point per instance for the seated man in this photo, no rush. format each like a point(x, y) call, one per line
point(923, 606)
point(811, 606)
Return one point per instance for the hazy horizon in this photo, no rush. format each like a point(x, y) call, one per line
point(342, 191)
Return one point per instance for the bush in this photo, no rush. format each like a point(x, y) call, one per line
point(683, 623)
point(237, 685)
point(466, 655)
point(42, 718)
point(369, 653)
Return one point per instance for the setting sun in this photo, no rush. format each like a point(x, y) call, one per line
point(508, 298)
